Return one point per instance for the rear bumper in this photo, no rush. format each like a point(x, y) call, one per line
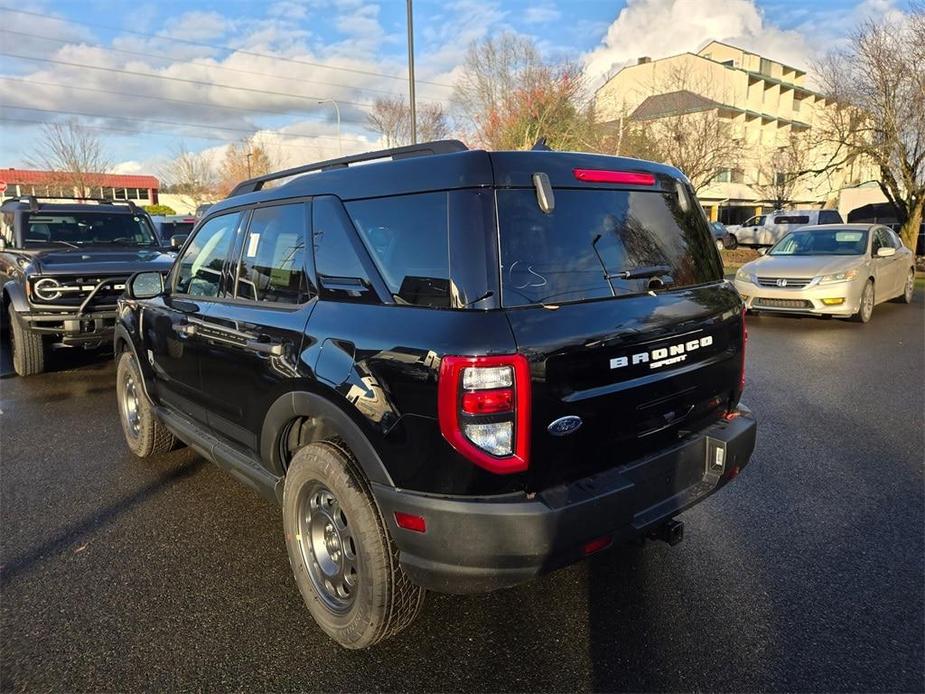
point(484, 544)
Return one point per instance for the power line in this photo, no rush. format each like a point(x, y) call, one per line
point(209, 104)
point(221, 47)
point(174, 61)
point(176, 79)
point(182, 124)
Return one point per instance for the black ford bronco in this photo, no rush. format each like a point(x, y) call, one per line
point(63, 264)
point(455, 370)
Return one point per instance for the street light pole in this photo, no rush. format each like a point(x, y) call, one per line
point(414, 120)
point(340, 146)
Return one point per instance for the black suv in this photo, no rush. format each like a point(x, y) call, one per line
point(455, 370)
point(63, 264)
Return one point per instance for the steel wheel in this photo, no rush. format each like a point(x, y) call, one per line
point(328, 548)
point(130, 411)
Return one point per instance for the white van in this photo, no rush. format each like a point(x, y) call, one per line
point(768, 229)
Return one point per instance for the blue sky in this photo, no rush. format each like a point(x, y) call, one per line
point(91, 61)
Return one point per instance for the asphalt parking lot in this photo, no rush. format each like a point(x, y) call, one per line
point(805, 574)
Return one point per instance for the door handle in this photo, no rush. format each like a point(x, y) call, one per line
point(272, 348)
point(185, 329)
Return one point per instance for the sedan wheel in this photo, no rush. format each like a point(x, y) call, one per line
point(910, 288)
point(866, 309)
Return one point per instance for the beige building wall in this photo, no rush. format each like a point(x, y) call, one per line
point(765, 101)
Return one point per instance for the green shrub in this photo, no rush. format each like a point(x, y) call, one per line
point(159, 210)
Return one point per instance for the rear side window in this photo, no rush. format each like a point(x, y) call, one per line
point(829, 217)
point(792, 219)
point(341, 273)
point(199, 270)
point(578, 251)
point(273, 256)
point(408, 241)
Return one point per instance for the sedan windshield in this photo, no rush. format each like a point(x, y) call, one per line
point(76, 229)
point(828, 242)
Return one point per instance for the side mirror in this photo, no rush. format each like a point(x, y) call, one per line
point(177, 241)
point(145, 285)
point(762, 250)
point(885, 252)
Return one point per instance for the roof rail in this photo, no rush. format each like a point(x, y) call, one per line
point(34, 200)
point(422, 149)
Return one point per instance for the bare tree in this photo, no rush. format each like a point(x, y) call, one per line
point(244, 160)
point(877, 85)
point(74, 153)
point(781, 174)
point(691, 132)
point(391, 118)
point(190, 174)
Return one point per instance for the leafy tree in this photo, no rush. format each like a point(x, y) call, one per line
point(243, 160)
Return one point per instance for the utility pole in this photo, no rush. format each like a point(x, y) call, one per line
point(414, 119)
point(248, 157)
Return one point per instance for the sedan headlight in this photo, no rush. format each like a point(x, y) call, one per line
point(846, 276)
point(742, 276)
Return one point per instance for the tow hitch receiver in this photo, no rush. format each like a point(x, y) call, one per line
point(671, 531)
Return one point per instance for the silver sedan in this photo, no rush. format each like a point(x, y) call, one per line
point(838, 270)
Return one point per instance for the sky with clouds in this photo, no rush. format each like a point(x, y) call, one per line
point(202, 73)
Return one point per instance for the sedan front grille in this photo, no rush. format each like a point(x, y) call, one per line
point(782, 303)
point(785, 282)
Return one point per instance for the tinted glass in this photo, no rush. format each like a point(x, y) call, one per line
point(835, 242)
point(567, 255)
point(341, 273)
point(272, 264)
point(829, 217)
point(86, 229)
point(792, 219)
point(199, 270)
point(407, 239)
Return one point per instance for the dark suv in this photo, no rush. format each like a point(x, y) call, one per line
point(455, 370)
point(63, 264)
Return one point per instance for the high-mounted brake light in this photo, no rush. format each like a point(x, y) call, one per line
point(483, 406)
point(603, 176)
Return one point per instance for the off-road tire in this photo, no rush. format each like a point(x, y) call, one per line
point(866, 307)
point(385, 601)
point(27, 349)
point(152, 437)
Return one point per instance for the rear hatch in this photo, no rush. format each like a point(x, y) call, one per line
point(616, 297)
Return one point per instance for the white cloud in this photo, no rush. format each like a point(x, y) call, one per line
point(129, 167)
point(198, 26)
point(686, 25)
point(541, 14)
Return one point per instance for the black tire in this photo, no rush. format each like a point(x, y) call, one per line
point(27, 349)
point(908, 289)
point(144, 433)
point(373, 598)
point(866, 307)
point(733, 242)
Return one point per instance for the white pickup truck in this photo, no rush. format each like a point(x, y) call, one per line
point(768, 229)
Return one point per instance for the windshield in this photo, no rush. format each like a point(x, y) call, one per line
point(829, 242)
point(77, 229)
point(600, 243)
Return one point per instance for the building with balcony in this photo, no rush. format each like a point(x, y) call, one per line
point(767, 106)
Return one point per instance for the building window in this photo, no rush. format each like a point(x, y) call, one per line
point(121, 193)
point(724, 176)
point(143, 194)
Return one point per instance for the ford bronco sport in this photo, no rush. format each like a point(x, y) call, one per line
point(455, 370)
point(63, 264)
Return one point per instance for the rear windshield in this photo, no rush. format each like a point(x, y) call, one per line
point(792, 219)
point(578, 251)
point(77, 229)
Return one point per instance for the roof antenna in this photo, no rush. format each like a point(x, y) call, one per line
point(541, 146)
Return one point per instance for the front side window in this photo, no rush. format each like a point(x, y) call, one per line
point(600, 243)
point(77, 229)
point(408, 240)
point(272, 266)
point(835, 242)
point(199, 269)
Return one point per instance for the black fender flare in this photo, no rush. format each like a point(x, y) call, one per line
point(121, 336)
point(16, 296)
point(303, 403)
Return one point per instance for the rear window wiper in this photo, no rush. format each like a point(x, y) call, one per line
point(641, 272)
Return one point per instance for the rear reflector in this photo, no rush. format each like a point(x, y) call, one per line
point(488, 401)
point(603, 176)
point(409, 521)
point(596, 545)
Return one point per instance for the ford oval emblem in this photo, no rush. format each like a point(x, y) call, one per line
point(564, 426)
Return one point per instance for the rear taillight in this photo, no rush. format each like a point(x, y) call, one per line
point(483, 405)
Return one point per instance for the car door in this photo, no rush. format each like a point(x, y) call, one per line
point(253, 334)
point(885, 274)
point(899, 266)
point(171, 324)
